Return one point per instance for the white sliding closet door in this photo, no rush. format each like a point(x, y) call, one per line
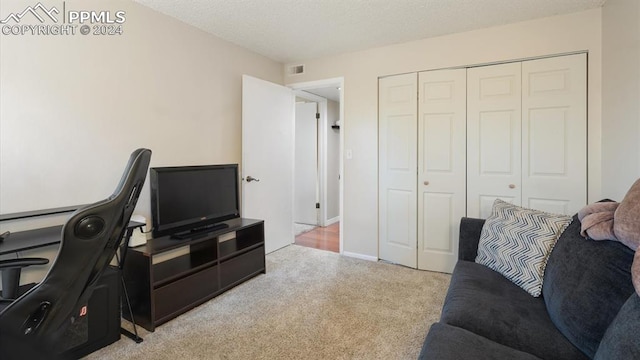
point(441, 166)
point(397, 101)
point(554, 134)
point(452, 141)
point(493, 138)
point(527, 135)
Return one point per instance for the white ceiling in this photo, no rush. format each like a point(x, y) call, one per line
point(295, 30)
point(328, 92)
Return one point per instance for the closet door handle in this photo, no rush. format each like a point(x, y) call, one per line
point(426, 182)
point(512, 186)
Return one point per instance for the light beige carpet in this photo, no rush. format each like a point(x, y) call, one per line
point(311, 304)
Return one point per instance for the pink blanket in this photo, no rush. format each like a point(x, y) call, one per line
point(614, 221)
point(597, 220)
point(627, 218)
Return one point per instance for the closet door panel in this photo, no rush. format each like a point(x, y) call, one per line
point(397, 128)
point(441, 166)
point(554, 134)
point(493, 137)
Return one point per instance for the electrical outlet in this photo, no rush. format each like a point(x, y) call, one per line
point(349, 154)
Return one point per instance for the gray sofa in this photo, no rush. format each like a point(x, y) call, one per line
point(588, 308)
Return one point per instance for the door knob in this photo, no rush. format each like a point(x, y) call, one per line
point(426, 183)
point(512, 186)
point(251, 178)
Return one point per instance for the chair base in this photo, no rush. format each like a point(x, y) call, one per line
point(101, 324)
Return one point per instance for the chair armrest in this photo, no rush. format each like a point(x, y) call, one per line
point(470, 230)
point(11, 269)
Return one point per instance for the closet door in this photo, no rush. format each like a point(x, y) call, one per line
point(554, 134)
point(493, 137)
point(397, 126)
point(441, 166)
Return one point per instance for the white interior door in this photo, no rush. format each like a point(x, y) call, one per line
point(306, 164)
point(441, 166)
point(267, 155)
point(493, 137)
point(397, 126)
point(554, 134)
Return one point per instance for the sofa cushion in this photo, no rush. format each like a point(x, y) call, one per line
point(486, 303)
point(620, 341)
point(516, 242)
point(470, 230)
point(585, 284)
point(445, 342)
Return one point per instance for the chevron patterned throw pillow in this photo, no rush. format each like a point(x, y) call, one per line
point(516, 242)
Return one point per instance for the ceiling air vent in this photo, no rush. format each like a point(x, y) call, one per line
point(296, 69)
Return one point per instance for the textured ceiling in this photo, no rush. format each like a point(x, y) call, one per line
point(295, 30)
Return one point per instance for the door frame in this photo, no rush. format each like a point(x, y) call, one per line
point(338, 82)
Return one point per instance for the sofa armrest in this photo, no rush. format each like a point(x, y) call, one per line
point(470, 230)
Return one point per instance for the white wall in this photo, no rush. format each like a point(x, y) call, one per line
point(620, 97)
point(333, 161)
point(553, 35)
point(72, 108)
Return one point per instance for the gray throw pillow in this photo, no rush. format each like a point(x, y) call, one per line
point(516, 242)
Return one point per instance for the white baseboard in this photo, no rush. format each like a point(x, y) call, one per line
point(332, 221)
point(360, 256)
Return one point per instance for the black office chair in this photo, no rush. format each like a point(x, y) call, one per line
point(32, 325)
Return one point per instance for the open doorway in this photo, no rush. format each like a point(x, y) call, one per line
point(318, 166)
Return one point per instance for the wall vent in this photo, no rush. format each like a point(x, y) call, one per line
point(296, 69)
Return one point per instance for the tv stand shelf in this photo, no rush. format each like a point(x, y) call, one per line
point(167, 277)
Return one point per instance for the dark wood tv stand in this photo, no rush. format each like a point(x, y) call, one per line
point(167, 277)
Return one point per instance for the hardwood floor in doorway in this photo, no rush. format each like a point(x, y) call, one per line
point(323, 238)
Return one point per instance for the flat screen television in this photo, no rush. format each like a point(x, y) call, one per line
point(187, 200)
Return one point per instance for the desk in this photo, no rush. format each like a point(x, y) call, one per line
point(52, 235)
point(37, 238)
point(31, 239)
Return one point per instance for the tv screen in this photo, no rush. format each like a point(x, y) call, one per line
point(191, 198)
